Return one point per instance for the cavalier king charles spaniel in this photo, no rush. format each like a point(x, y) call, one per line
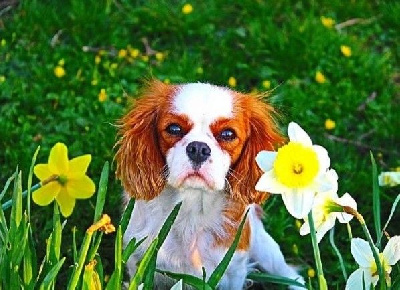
point(197, 143)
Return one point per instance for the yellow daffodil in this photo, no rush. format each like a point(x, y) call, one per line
point(346, 50)
point(320, 77)
point(327, 22)
point(389, 178)
point(103, 224)
point(91, 277)
point(368, 271)
point(327, 208)
point(298, 171)
point(71, 181)
point(187, 9)
point(330, 124)
point(232, 82)
point(59, 71)
point(122, 53)
point(102, 96)
point(266, 84)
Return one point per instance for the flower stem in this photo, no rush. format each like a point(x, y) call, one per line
point(35, 187)
point(321, 279)
point(336, 250)
point(360, 218)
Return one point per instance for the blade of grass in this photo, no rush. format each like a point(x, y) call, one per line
point(220, 269)
point(127, 215)
point(376, 202)
point(337, 252)
point(187, 279)
point(51, 276)
point(30, 263)
point(396, 201)
point(16, 210)
point(28, 199)
point(130, 248)
point(140, 272)
point(101, 192)
point(267, 278)
point(8, 182)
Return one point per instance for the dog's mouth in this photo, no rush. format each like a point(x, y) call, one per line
point(196, 179)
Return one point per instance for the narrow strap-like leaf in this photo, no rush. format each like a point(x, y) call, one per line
point(101, 192)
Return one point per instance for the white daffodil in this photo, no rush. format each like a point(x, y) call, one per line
point(389, 178)
point(297, 171)
point(368, 270)
point(327, 208)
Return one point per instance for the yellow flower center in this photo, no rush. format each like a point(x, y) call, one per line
point(296, 165)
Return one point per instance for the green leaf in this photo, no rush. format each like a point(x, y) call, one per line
point(187, 279)
point(8, 182)
point(376, 202)
point(30, 262)
point(127, 215)
point(130, 248)
point(140, 272)
point(28, 199)
point(267, 278)
point(16, 210)
point(51, 276)
point(101, 192)
point(55, 246)
point(220, 269)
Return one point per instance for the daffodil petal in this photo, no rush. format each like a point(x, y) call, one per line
point(305, 228)
point(325, 227)
point(82, 187)
point(298, 203)
point(66, 202)
point(269, 183)
point(265, 160)
point(323, 158)
point(327, 183)
point(46, 194)
point(297, 134)
point(355, 280)
point(42, 171)
point(78, 166)
point(361, 252)
point(346, 200)
point(58, 159)
point(392, 250)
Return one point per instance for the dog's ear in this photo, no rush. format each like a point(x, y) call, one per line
point(140, 163)
point(263, 134)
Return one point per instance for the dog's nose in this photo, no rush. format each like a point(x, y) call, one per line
point(198, 152)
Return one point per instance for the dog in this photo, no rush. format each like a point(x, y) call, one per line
point(197, 143)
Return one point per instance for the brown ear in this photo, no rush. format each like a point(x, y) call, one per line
point(263, 134)
point(140, 163)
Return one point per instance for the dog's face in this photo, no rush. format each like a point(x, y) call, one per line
point(194, 136)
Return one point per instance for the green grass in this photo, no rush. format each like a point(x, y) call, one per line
point(283, 42)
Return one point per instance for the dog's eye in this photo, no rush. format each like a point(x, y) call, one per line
point(174, 130)
point(227, 135)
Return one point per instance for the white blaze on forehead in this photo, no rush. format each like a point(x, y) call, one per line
point(203, 103)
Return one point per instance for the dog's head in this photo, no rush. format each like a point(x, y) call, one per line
point(194, 136)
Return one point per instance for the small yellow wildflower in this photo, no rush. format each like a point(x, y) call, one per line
point(266, 84)
point(298, 224)
point(102, 96)
point(311, 273)
point(59, 71)
point(320, 77)
point(330, 124)
point(187, 9)
point(97, 59)
point(103, 224)
point(145, 58)
point(200, 70)
point(113, 66)
point(327, 22)
point(2, 79)
point(134, 52)
point(160, 56)
point(3, 42)
point(346, 50)
point(94, 82)
point(122, 53)
point(69, 180)
point(232, 82)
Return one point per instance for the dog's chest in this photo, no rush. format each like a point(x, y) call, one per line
point(190, 243)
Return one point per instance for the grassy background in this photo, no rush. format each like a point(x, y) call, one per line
point(283, 42)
